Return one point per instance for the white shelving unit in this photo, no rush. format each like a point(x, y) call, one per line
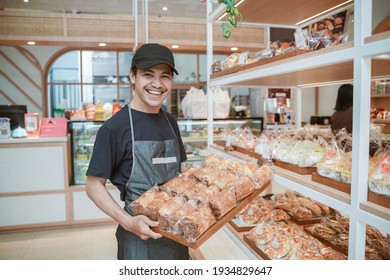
point(355, 61)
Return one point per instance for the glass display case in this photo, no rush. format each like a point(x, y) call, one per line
point(194, 133)
point(83, 136)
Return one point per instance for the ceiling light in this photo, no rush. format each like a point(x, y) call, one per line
point(165, 8)
point(102, 44)
point(234, 49)
point(25, 1)
point(175, 46)
point(31, 43)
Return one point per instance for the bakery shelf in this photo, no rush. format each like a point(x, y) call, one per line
point(359, 61)
point(289, 13)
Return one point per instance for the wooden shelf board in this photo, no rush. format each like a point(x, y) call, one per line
point(376, 209)
point(263, 11)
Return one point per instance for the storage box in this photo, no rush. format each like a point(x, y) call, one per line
point(53, 127)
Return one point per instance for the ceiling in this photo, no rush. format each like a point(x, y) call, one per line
point(176, 8)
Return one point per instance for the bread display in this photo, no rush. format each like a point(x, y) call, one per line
point(287, 241)
point(190, 203)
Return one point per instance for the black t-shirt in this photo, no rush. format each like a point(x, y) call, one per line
point(112, 153)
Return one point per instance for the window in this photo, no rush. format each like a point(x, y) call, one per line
point(78, 78)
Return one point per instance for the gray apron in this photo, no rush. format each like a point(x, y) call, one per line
point(154, 162)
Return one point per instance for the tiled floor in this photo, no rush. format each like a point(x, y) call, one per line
point(77, 243)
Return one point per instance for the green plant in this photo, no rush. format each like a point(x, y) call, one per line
point(233, 16)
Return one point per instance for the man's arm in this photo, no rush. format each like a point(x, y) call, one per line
point(139, 225)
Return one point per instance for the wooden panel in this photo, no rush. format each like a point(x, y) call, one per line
point(104, 28)
point(32, 209)
point(192, 32)
point(30, 26)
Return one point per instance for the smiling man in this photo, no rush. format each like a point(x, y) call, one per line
point(137, 148)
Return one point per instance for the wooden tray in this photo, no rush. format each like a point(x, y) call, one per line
point(256, 248)
point(275, 58)
point(215, 227)
point(238, 68)
point(325, 242)
point(381, 200)
point(250, 153)
point(241, 226)
point(341, 186)
point(227, 71)
point(313, 220)
point(294, 168)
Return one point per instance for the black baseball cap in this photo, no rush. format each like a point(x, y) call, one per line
point(152, 54)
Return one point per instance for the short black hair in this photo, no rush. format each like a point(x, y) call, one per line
point(344, 97)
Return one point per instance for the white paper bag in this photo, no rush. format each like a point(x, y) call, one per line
point(221, 104)
point(194, 104)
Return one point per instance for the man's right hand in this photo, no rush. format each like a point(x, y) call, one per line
point(140, 225)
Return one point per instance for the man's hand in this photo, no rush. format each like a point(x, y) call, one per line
point(140, 225)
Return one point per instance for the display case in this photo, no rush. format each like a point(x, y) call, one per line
point(194, 133)
point(83, 135)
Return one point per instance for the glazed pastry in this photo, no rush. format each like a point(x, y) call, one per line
point(314, 208)
point(251, 214)
point(333, 224)
point(301, 212)
point(278, 247)
point(283, 204)
point(372, 254)
point(278, 215)
point(260, 235)
point(325, 209)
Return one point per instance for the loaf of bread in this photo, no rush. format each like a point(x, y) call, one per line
point(168, 209)
point(178, 185)
point(151, 210)
point(243, 187)
point(197, 222)
point(185, 210)
point(223, 202)
point(138, 206)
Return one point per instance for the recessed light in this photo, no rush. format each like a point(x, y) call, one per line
point(175, 46)
point(102, 44)
point(234, 49)
point(31, 43)
point(165, 8)
point(25, 1)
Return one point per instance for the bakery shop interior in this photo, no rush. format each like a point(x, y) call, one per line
point(282, 113)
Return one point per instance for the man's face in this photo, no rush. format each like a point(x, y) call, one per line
point(152, 86)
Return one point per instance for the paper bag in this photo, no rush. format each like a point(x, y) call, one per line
point(194, 104)
point(221, 104)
